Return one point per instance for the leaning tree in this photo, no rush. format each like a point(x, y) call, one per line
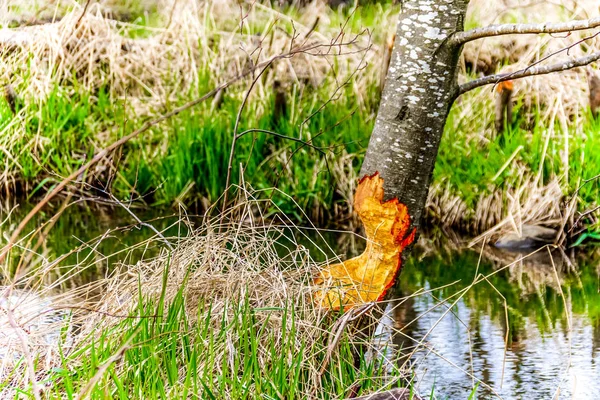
point(420, 87)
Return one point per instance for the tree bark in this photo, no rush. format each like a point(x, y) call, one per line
point(420, 87)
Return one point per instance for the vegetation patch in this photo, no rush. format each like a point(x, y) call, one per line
point(82, 80)
point(228, 313)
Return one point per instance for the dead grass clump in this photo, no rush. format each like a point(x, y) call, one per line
point(222, 281)
point(220, 268)
point(504, 209)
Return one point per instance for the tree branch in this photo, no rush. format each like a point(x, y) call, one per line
point(529, 71)
point(460, 38)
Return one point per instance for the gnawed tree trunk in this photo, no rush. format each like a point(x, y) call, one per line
point(420, 87)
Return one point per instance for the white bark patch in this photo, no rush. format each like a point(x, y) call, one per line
point(427, 17)
point(424, 65)
point(434, 33)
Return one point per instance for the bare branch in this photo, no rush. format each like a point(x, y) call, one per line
point(509, 29)
point(139, 221)
point(279, 135)
point(529, 71)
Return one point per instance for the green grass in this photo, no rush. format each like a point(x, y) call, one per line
point(185, 158)
point(470, 156)
point(171, 358)
point(192, 148)
point(179, 327)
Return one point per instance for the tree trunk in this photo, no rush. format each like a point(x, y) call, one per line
point(421, 85)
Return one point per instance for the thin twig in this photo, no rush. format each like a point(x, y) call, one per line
point(585, 182)
point(235, 135)
point(139, 221)
point(583, 215)
point(279, 135)
point(565, 49)
point(460, 38)
point(83, 12)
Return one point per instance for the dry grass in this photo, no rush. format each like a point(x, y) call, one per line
point(229, 272)
point(152, 66)
point(503, 210)
point(97, 49)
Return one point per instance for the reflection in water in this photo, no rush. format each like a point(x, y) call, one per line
point(40, 317)
point(88, 236)
point(553, 347)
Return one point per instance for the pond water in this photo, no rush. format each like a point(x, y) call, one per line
point(529, 330)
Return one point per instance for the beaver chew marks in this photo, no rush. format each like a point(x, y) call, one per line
point(368, 277)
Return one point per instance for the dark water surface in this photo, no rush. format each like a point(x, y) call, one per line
point(531, 330)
